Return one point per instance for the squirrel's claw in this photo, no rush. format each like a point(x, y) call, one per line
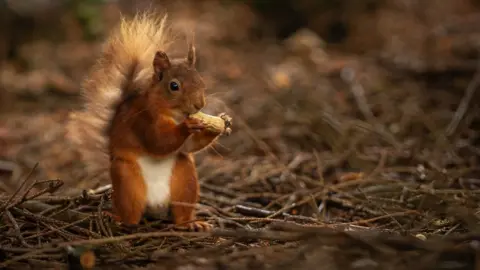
point(228, 123)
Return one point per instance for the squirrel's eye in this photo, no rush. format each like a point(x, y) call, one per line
point(174, 86)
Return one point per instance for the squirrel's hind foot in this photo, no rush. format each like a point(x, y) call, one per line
point(113, 217)
point(197, 226)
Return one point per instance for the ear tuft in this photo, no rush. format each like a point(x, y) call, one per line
point(191, 57)
point(161, 62)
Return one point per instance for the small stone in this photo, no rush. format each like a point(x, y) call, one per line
point(421, 236)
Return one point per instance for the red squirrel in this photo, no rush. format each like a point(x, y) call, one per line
point(138, 103)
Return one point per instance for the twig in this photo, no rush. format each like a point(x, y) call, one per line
point(266, 235)
point(66, 226)
point(6, 204)
point(17, 229)
point(53, 186)
point(68, 236)
point(295, 227)
point(55, 221)
point(463, 106)
point(250, 211)
point(370, 220)
point(69, 216)
point(99, 190)
point(349, 76)
point(99, 218)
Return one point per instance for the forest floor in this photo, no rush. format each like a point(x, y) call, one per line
point(335, 161)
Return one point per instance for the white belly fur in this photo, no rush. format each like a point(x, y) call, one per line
point(156, 174)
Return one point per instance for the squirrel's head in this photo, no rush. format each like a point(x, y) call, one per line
point(179, 82)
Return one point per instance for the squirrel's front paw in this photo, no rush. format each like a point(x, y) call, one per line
point(194, 125)
point(228, 123)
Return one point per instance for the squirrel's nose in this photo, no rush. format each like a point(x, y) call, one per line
point(200, 104)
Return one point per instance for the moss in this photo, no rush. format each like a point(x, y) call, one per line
point(88, 13)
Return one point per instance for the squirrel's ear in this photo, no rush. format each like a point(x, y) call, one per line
point(191, 57)
point(160, 62)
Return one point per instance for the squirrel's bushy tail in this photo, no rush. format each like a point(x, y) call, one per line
point(125, 64)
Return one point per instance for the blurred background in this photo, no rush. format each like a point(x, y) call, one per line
point(351, 82)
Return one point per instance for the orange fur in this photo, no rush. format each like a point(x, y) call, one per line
point(143, 131)
point(132, 111)
point(129, 196)
point(199, 141)
point(154, 135)
point(123, 67)
point(184, 188)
